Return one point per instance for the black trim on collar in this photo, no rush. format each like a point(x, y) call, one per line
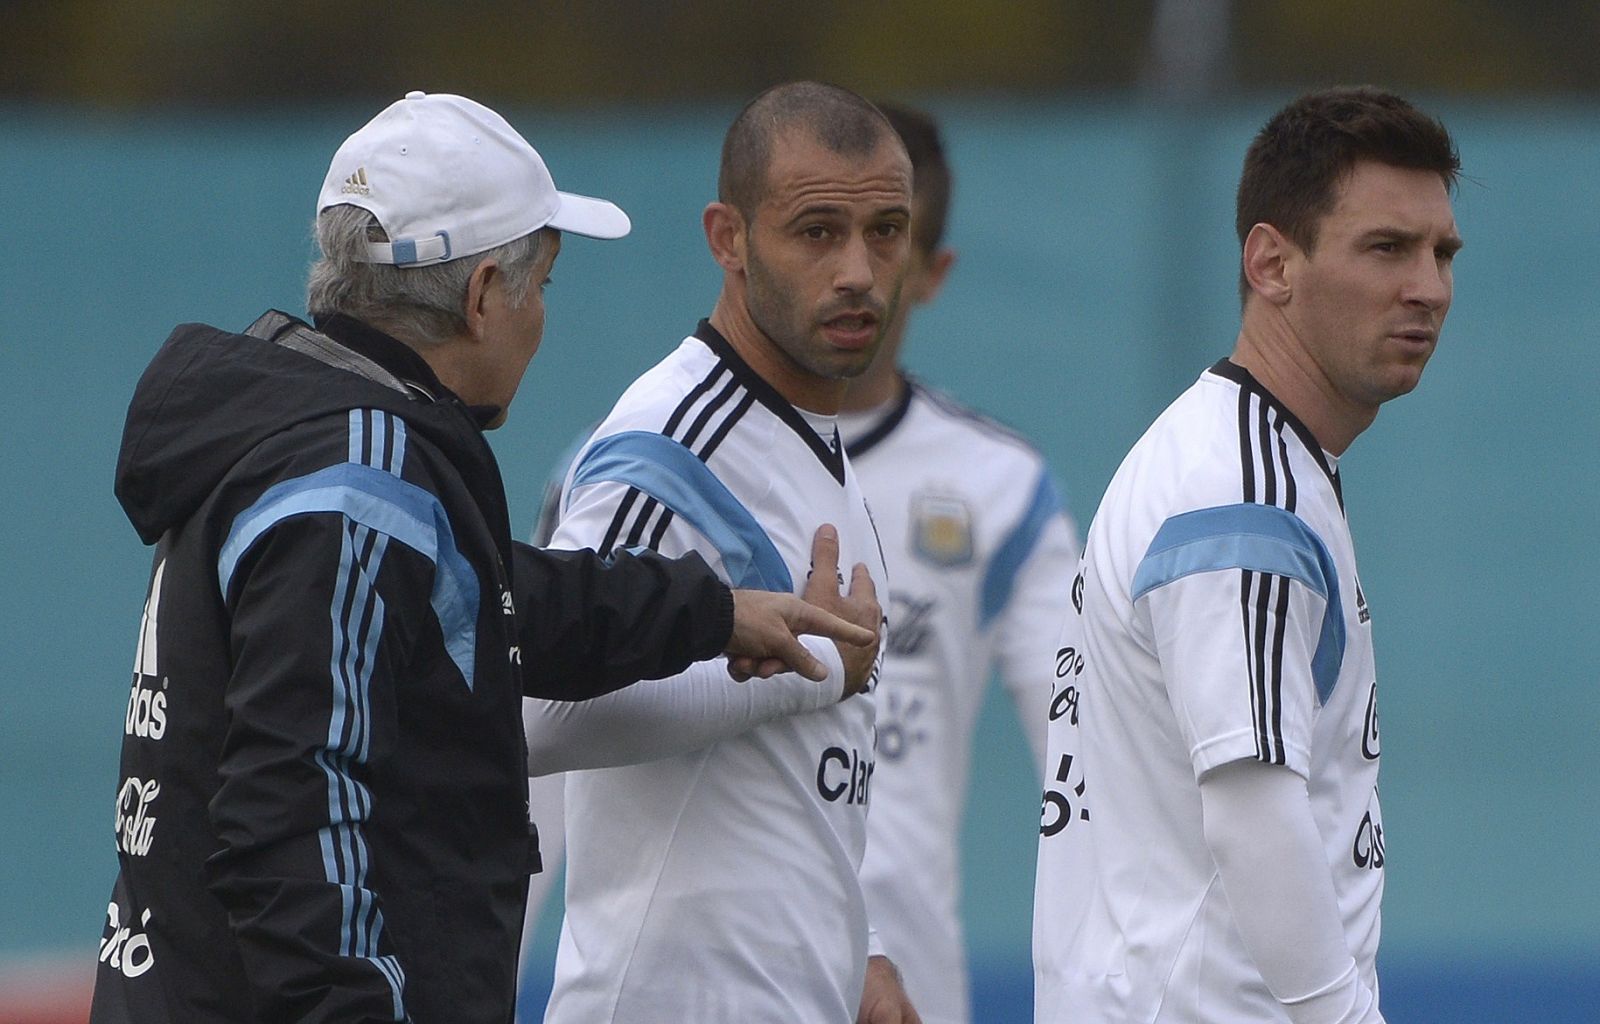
point(1231, 370)
point(884, 427)
point(767, 395)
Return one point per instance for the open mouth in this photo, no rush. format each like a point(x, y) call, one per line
point(851, 330)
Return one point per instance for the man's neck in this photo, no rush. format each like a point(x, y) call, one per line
point(1268, 348)
point(884, 381)
point(800, 389)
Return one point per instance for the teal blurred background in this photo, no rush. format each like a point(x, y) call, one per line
point(1096, 278)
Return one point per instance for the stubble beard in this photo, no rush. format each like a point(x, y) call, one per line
point(789, 328)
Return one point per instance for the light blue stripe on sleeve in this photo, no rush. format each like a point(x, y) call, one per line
point(1001, 577)
point(391, 506)
point(1260, 538)
point(675, 476)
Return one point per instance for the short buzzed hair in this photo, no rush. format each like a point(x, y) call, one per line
point(839, 119)
point(930, 173)
point(1294, 167)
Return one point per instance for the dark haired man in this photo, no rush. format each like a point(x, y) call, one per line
point(715, 844)
point(980, 555)
point(1212, 847)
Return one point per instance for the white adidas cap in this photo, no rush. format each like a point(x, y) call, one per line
point(448, 177)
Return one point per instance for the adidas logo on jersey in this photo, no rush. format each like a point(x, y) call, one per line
point(1361, 604)
point(146, 717)
point(357, 183)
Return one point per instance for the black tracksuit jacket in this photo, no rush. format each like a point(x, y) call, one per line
point(322, 804)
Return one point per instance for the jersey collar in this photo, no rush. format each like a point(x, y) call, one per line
point(767, 395)
point(884, 427)
point(1231, 370)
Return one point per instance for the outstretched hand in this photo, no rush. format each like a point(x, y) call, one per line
point(851, 620)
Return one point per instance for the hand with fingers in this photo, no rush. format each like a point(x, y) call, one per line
point(852, 620)
point(884, 999)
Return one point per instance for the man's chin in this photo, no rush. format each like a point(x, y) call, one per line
point(848, 363)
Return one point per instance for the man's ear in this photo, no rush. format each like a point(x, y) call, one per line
point(939, 265)
point(1269, 260)
point(483, 289)
point(725, 234)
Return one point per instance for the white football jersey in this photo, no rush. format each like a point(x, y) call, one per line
point(1218, 618)
point(721, 884)
point(981, 557)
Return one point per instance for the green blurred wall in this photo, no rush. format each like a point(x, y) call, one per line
point(1096, 278)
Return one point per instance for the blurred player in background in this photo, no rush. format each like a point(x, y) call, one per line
point(981, 556)
point(718, 832)
point(1212, 847)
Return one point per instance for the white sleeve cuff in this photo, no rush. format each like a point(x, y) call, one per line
point(1345, 1000)
point(874, 943)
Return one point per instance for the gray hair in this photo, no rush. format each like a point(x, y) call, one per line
point(418, 305)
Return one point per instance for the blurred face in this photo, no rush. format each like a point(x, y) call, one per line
point(826, 256)
point(515, 329)
point(922, 278)
point(1368, 302)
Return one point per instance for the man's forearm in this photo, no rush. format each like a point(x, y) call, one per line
point(588, 626)
point(658, 719)
point(1268, 852)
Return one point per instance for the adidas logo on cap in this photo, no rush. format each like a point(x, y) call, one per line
point(357, 183)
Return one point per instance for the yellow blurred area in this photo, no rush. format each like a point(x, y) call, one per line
point(201, 52)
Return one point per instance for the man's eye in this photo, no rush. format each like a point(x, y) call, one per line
point(816, 231)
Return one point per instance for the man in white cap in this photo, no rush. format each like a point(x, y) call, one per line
point(321, 813)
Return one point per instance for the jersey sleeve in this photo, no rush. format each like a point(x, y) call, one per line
point(640, 490)
point(602, 616)
point(324, 611)
point(1242, 603)
point(1037, 562)
point(690, 711)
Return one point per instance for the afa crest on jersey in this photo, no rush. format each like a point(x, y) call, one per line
point(941, 530)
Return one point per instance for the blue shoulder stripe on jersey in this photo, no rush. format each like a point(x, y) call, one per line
point(1260, 538)
point(1001, 578)
point(673, 475)
point(391, 506)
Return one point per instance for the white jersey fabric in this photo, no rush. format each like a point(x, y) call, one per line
point(981, 557)
point(719, 884)
point(1218, 618)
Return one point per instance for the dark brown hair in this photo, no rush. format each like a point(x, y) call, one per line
point(838, 118)
point(1294, 166)
point(930, 173)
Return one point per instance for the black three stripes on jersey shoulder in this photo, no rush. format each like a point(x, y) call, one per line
point(716, 403)
point(1264, 597)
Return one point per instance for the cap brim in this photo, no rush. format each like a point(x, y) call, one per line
point(594, 218)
